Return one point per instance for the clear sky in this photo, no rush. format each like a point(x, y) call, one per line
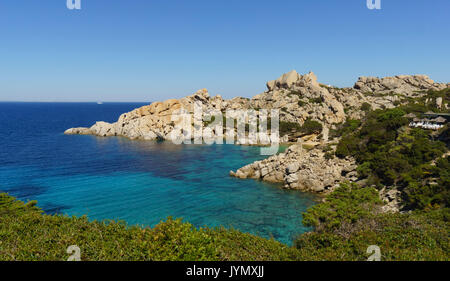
point(143, 50)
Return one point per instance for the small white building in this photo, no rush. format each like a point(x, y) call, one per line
point(429, 124)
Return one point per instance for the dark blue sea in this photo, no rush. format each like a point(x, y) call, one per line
point(140, 182)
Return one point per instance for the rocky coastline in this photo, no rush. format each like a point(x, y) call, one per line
point(302, 169)
point(305, 165)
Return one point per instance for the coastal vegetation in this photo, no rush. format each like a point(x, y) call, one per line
point(350, 220)
point(390, 154)
point(344, 226)
point(309, 127)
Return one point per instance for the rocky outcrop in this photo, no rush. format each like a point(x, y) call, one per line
point(298, 168)
point(439, 102)
point(392, 200)
point(78, 131)
point(408, 85)
point(155, 121)
point(300, 97)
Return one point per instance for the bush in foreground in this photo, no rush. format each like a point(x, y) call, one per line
point(349, 221)
point(28, 234)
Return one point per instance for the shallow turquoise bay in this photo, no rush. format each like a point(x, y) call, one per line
point(141, 182)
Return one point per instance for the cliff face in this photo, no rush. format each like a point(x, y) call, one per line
point(299, 98)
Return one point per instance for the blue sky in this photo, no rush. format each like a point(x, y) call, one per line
point(142, 50)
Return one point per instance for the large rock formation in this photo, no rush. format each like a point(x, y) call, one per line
point(300, 97)
point(155, 121)
point(298, 168)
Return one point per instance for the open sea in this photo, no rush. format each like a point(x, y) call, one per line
point(140, 182)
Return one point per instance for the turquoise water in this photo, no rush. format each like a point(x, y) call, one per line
point(141, 182)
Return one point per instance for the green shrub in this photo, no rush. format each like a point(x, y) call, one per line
point(366, 107)
point(311, 127)
point(288, 127)
point(328, 155)
point(316, 100)
point(295, 93)
point(348, 127)
point(346, 204)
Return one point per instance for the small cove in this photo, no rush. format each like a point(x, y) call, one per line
point(140, 182)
